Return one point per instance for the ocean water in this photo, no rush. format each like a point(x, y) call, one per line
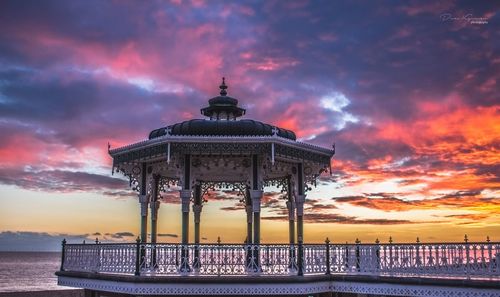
point(29, 271)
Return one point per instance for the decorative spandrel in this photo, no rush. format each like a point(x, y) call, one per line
point(133, 172)
point(221, 168)
point(281, 169)
point(167, 184)
point(236, 187)
point(280, 183)
point(218, 148)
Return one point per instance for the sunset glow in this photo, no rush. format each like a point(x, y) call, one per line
point(411, 102)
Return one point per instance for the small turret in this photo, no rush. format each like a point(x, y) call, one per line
point(223, 107)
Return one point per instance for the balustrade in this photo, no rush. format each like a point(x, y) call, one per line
point(460, 260)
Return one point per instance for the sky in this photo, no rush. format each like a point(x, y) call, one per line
point(407, 90)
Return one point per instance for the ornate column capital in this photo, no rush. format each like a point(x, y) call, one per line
point(185, 199)
point(256, 196)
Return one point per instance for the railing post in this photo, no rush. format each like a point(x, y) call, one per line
point(291, 257)
point(467, 255)
point(97, 255)
point(137, 256)
point(177, 255)
point(347, 256)
point(247, 253)
point(490, 253)
point(267, 256)
point(185, 268)
point(358, 256)
point(219, 256)
point(390, 252)
point(418, 262)
point(377, 254)
point(327, 246)
point(300, 258)
point(63, 253)
point(196, 260)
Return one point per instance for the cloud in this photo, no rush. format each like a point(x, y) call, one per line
point(120, 235)
point(469, 216)
point(341, 219)
point(233, 208)
point(454, 200)
point(36, 241)
point(63, 181)
point(168, 235)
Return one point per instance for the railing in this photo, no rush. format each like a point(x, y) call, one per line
point(446, 260)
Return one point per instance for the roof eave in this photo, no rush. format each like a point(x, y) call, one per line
point(216, 139)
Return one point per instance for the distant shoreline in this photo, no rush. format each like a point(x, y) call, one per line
point(46, 293)
point(26, 251)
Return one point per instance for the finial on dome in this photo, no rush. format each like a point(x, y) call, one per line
point(223, 87)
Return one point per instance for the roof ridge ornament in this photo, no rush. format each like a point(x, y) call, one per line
point(223, 87)
point(275, 131)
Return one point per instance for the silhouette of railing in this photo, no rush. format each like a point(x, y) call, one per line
point(447, 260)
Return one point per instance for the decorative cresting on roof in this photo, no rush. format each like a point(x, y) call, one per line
point(223, 107)
point(223, 112)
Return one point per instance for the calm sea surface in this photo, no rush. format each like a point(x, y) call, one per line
point(29, 271)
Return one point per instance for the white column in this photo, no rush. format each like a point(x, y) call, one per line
point(256, 196)
point(185, 200)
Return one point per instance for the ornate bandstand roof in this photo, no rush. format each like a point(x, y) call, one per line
point(223, 112)
point(223, 133)
point(222, 128)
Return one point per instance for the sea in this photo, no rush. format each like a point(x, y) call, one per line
point(29, 271)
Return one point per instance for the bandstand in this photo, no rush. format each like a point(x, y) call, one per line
point(224, 152)
point(221, 152)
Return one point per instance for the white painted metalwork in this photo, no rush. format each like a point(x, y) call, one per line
point(478, 260)
point(106, 258)
point(271, 289)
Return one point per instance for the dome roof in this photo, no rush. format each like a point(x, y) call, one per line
point(222, 128)
point(223, 112)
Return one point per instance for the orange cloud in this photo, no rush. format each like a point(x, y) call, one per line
point(461, 200)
